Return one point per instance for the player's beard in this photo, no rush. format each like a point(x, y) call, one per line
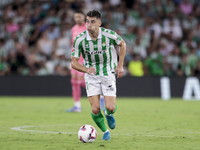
point(92, 31)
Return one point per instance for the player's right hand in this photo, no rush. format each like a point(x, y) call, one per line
point(91, 71)
point(119, 70)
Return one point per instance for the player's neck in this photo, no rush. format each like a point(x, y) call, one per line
point(80, 24)
point(94, 35)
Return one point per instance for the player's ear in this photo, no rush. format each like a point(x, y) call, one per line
point(100, 22)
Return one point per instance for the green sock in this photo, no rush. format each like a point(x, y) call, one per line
point(99, 120)
point(108, 112)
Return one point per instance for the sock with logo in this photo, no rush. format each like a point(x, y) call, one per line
point(99, 120)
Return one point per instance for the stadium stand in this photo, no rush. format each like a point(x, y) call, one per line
point(162, 36)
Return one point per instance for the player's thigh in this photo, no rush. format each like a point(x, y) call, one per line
point(93, 86)
point(109, 86)
point(80, 76)
point(94, 101)
point(110, 102)
point(74, 73)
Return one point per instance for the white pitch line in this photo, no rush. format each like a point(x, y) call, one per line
point(22, 128)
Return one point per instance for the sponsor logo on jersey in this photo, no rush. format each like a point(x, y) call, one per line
point(73, 49)
point(94, 52)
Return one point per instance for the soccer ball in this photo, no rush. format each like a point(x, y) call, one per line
point(87, 134)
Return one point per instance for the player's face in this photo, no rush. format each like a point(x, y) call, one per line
point(79, 18)
point(92, 24)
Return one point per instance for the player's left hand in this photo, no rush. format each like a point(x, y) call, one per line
point(119, 70)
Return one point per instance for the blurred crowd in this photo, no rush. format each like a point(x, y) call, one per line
point(162, 36)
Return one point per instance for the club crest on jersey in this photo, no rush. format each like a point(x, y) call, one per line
point(87, 45)
point(104, 44)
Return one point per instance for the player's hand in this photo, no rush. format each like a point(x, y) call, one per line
point(91, 71)
point(119, 70)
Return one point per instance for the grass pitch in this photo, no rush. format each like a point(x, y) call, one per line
point(141, 124)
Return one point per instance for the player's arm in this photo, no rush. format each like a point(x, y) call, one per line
point(76, 54)
point(77, 66)
point(122, 52)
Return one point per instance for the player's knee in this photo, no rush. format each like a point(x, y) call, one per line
point(95, 111)
point(111, 108)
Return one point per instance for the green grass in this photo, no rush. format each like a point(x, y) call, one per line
point(141, 124)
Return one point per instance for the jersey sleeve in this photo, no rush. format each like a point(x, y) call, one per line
point(116, 38)
point(77, 48)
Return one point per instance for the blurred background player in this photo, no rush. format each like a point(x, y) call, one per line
point(77, 78)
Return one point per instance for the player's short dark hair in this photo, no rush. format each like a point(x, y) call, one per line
point(80, 12)
point(94, 13)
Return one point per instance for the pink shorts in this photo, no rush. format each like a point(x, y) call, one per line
point(75, 72)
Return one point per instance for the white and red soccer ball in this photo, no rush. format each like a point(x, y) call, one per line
point(87, 134)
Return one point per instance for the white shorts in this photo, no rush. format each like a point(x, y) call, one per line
point(100, 85)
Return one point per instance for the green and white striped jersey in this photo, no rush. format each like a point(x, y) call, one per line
point(100, 54)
